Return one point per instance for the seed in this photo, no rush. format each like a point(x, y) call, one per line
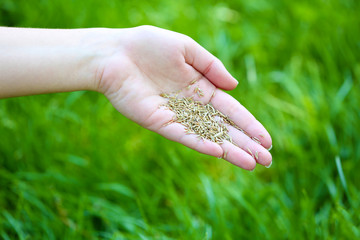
point(164, 95)
point(168, 123)
point(193, 81)
point(203, 120)
point(250, 152)
point(256, 155)
point(199, 92)
point(256, 140)
point(212, 95)
point(225, 154)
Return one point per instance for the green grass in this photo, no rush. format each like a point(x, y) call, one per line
point(71, 167)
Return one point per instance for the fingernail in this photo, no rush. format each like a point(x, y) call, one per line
point(270, 148)
point(268, 166)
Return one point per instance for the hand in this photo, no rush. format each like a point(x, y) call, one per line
point(139, 64)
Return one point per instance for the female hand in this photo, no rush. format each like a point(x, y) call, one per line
point(138, 64)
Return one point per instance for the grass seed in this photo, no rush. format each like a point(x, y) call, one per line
point(200, 119)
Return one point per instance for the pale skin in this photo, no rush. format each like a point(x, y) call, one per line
point(132, 67)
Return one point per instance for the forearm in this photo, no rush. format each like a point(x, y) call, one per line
point(35, 61)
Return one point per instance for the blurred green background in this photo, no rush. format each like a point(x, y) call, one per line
point(72, 167)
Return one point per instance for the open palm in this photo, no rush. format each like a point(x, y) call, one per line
point(147, 61)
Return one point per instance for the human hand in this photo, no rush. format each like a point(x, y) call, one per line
point(139, 64)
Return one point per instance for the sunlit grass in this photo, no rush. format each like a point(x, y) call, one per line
point(72, 167)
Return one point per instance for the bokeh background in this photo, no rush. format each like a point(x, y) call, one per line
point(72, 167)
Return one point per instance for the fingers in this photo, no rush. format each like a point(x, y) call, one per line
point(204, 91)
point(208, 65)
point(176, 132)
point(241, 117)
point(243, 153)
point(253, 149)
point(238, 156)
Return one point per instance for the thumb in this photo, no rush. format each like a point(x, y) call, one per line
point(209, 66)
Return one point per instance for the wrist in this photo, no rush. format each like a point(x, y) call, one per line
point(105, 46)
point(92, 46)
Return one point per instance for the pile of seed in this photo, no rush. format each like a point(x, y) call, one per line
point(202, 120)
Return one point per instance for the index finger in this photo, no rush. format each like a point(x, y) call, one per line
point(209, 66)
